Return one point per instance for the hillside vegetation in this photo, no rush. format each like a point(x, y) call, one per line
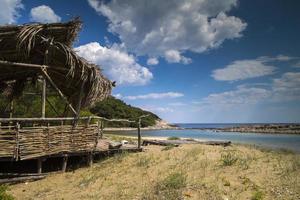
point(29, 105)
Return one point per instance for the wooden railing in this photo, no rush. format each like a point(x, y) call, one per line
point(26, 138)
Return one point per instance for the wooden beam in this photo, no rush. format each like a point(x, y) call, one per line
point(46, 75)
point(139, 133)
point(43, 96)
point(90, 159)
point(39, 165)
point(50, 104)
point(64, 163)
point(21, 179)
point(16, 64)
point(62, 119)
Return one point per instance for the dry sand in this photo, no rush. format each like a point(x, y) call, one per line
point(186, 172)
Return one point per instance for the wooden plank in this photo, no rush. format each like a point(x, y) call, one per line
point(44, 88)
point(139, 133)
point(16, 64)
point(64, 163)
point(21, 179)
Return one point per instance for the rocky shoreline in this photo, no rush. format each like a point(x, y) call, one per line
point(255, 128)
point(265, 128)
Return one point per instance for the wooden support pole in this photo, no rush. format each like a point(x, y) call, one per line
point(11, 109)
point(44, 88)
point(39, 166)
point(102, 129)
point(139, 133)
point(80, 99)
point(64, 163)
point(15, 64)
point(90, 159)
point(17, 142)
point(46, 75)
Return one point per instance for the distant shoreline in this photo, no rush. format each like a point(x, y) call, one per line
point(255, 128)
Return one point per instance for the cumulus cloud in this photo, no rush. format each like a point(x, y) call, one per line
point(9, 11)
point(251, 68)
point(156, 109)
point(173, 56)
point(116, 63)
point(152, 61)
point(284, 88)
point(156, 28)
point(43, 14)
point(243, 69)
point(287, 87)
point(155, 96)
point(297, 65)
point(241, 95)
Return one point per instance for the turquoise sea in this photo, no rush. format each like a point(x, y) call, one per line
point(274, 141)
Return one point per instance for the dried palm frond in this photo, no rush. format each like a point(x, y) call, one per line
point(51, 44)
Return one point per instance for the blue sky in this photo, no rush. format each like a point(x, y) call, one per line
point(207, 61)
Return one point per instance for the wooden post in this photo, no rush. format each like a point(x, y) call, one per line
point(17, 141)
point(64, 163)
point(90, 159)
point(139, 133)
point(46, 75)
point(44, 87)
point(97, 134)
point(102, 127)
point(39, 165)
point(11, 109)
point(80, 100)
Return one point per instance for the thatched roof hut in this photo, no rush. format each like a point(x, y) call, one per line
point(33, 50)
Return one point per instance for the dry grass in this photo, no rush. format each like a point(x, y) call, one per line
point(187, 172)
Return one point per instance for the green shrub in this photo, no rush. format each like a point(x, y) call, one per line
point(174, 181)
point(4, 195)
point(257, 195)
point(170, 188)
point(173, 138)
point(168, 147)
point(144, 161)
point(228, 158)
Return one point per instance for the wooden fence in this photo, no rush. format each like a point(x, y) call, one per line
point(27, 138)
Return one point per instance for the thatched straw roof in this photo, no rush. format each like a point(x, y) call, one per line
point(49, 45)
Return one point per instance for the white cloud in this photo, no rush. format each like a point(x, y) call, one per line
point(118, 96)
point(158, 110)
point(116, 63)
point(43, 14)
point(287, 87)
point(156, 27)
point(152, 61)
point(173, 56)
point(9, 11)
point(252, 68)
point(241, 95)
point(297, 65)
point(155, 96)
point(280, 58)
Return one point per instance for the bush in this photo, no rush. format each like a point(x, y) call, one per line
point(3, 194)
point(173, 138)
point(228, 159)
point(257, 195)
point(168, 147)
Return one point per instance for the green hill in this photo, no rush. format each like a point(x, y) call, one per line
point(116, 108)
